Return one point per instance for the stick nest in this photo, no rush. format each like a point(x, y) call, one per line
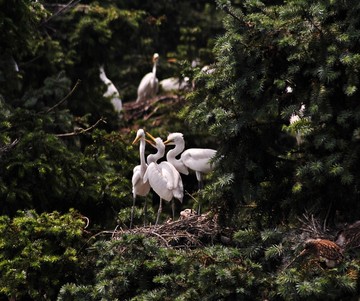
point(190, 232)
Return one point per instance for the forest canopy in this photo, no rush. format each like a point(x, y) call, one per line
point(270, 85)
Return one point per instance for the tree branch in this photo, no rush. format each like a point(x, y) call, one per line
point(7, 147)
point(227, 10)
point(65, 98)
point(80, 130)
point(63, 7)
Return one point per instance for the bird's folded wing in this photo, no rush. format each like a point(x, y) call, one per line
point(199, 159)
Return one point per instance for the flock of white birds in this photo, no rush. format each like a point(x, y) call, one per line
point(148, 87)
point(164, 178)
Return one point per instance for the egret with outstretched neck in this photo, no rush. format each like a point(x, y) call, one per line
point(139, 187)
point(196, 159)
point(164, 179)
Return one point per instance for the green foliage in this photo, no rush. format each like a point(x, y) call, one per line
point(38, 253)
point(311, 282)
point(135, 268)
point(44, 172)
point(270, 59)
point(246, 105)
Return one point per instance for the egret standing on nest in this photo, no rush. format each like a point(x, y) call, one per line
point(164, 179)
point(149, 84)
point(139, 187)
point(196, 159)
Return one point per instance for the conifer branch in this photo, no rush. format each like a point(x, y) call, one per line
point(313, 24)
point(229, 12)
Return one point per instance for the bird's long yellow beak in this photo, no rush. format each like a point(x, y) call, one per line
point(151, 136)
point(168, 141)
point(136, 140)
point(151, 142)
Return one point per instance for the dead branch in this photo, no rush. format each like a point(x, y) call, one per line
point(65, 98)
point(81, 130)
point(313, 226)
point(62, 9)
point(7, 147)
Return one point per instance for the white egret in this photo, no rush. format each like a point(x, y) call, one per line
point(174, 84)
point(139, 187)
point(295, 118)
point(149, 84)
point(112, 93)
point(164, 179)
point(196, 159)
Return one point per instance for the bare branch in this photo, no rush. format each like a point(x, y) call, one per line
point(80, 130)
point(63, 8)
point(65, 98)
point(7, 147)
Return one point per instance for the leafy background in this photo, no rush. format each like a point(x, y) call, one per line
point(55, 177)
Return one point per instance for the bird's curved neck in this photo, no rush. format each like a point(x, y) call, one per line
point(154, 68)
point(179, 147)
point(142, 153)
point(154, 157)
point(171, 157)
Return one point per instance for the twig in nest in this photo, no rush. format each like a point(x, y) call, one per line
point(190, 232)
point(80, 130)
point(314, 227)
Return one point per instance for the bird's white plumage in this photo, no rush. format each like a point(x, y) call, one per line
point(149, 84)
point(163, 178)
point(112, 93)
point(295, 118)
point(139, 187)
point(174, 84)
point(196, 159)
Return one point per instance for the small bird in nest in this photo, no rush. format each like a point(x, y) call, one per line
point(186, 213)
point(325, 250)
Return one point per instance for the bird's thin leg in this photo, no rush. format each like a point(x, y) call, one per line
point(173, 209)
point(200, 185)
point(158, 213)
point(132, 212)
point(145, 212)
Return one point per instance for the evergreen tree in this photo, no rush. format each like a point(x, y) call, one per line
point(273, 59)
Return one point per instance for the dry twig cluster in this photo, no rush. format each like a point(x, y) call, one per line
point(190, 232)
